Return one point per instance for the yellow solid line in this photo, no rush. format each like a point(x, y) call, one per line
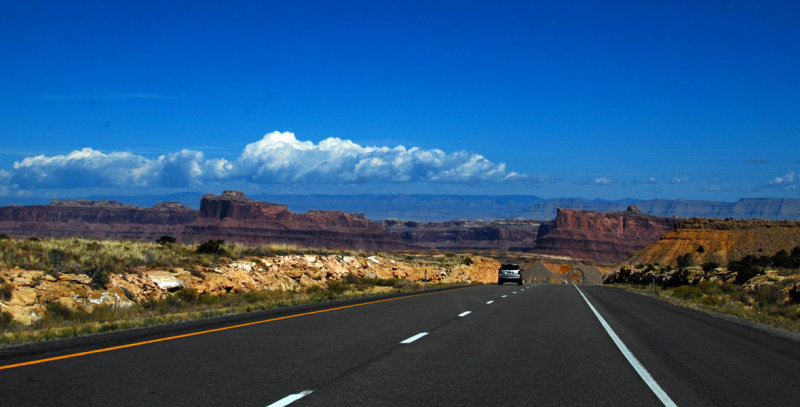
point(131, 345)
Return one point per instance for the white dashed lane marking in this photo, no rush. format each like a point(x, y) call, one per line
point(465, 313)
point(414, 338)
point(489, 302)
point(290, 399)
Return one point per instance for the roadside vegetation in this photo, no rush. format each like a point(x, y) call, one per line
point(100, 258)
point(764, 289)
point(186, 304)
point(87, 256)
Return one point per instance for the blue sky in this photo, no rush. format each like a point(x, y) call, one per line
point(592, 99)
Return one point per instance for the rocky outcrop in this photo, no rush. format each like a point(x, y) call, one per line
point(604, 237)
point(719, 241)
point(29, 291)
point(505, 234)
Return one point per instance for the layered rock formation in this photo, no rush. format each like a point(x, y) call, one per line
point(235, 218)
point(101, 219)
point(719, 241)
point(232, 217)
point(604, 237)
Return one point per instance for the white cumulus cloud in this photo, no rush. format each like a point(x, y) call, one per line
point(680, 180)
point(787, 180)
point(278, 157)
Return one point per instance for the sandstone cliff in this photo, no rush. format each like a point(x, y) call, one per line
point(604, 237)
point(235, 218)
point(719, 241)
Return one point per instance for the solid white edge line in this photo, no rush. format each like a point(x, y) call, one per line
point(290, 399)
point(465, 313)
point(414, 338)
point(640, 369)
point(489, 302)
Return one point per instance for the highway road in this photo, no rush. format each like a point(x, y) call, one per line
point(476, 346)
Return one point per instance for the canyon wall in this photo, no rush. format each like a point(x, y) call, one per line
point(98, 219)
point(604, 237)
point(608, 237)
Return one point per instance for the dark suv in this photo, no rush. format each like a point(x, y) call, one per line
point(509, 272)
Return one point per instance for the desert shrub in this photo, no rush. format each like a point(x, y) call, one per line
point(338, 286)
point(57, 312)
point(6, 291)
point(675, 279)
point(99, 277)
point(685, 260)
point(211, 247)
point(4, 236)
point(768, 295)
point(187, 295)
point(467, 261)
point(405, 285)
point(166, 239)
point(687, 292)
point(701, 249)
point(57, 257)
point(709, 266)
point(748, 267)
point(6, 319)
point(746, 273)
point(105, 313)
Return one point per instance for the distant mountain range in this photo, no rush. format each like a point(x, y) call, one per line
point(438, 208)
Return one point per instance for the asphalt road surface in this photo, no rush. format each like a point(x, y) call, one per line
point(478, 346)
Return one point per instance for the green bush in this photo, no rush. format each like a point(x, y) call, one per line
point(4, 236)
point(768, 295)
point(337, 286)
point(166, 239)
point(685, 260)
point(99, 277)
point(709, 266)
point(211, 247)
point(57, 312)
point(57, 257)
point(687, 292)
point(6, 319)
point(187, 295)
point(6, 291)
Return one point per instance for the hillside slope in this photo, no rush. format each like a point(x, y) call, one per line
point(719, 241)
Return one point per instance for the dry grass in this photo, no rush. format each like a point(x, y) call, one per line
point(98, 258)
point(766, 305)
